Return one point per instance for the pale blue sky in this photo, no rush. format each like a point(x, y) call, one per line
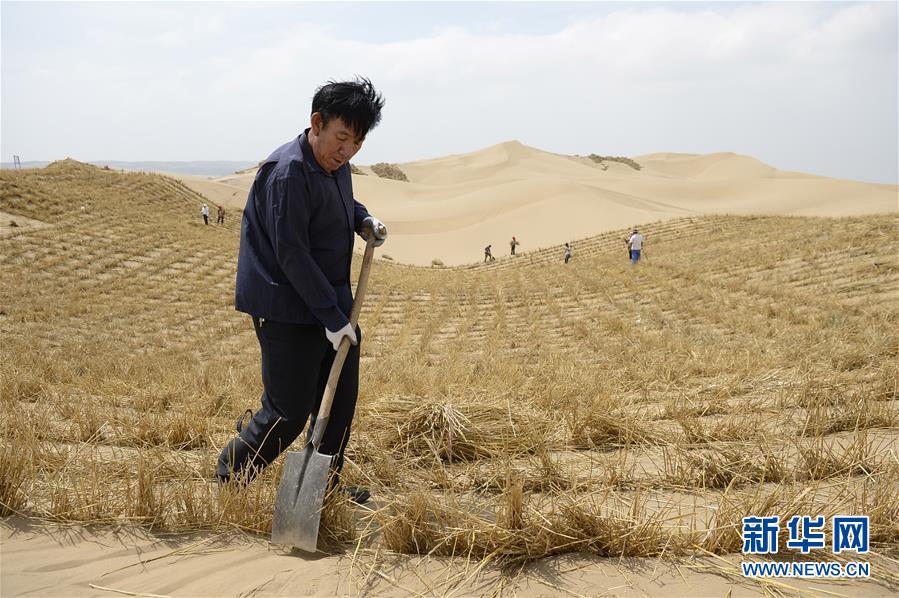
point(801, 86)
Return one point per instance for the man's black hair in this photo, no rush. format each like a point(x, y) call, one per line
point(357, 103)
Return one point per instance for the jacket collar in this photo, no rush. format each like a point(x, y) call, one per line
point(308, 156)
point(344, 183)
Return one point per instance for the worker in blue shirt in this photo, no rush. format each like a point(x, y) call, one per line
point(293, 278)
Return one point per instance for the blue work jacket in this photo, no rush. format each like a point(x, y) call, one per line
point(296, 240)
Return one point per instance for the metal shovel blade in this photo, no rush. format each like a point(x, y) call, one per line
point(301, 493)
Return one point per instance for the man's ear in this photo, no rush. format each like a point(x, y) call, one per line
point(316, 122)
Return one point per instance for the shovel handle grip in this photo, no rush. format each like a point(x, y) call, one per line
point(324, 411)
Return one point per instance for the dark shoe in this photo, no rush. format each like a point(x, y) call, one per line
point(358, 495)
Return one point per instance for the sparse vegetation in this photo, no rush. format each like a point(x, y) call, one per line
point(507, 412)
point(386, 170)
point(621, 159)
point(356, 170)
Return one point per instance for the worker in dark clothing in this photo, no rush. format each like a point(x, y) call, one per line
point(293, 278)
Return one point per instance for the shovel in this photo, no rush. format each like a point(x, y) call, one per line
point(305, 475)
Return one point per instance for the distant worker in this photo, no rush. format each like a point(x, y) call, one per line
point(220, 218)
point(635, 246)
point(567, 255)
point(488, 254)
point(513, 244)
point(205, 212)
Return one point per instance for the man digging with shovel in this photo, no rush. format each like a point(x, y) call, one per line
point(293, 278)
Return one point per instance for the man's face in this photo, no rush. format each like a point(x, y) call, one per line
point(333, 144)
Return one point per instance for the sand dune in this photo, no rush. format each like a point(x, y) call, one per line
point(455, 205)
point(726, 166)
point(229, 191)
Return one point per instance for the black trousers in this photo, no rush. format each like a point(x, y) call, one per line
point(296, 361)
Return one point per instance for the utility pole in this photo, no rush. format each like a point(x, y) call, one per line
point(17, 164)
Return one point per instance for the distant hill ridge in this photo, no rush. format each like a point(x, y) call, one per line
point(196, 167)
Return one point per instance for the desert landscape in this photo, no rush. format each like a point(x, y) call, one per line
point(450, 208)
point(526, 427)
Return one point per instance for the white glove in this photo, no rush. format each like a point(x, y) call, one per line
point(336, 337)
point(373, 224)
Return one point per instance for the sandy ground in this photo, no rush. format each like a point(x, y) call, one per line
point(11, 224)
point(78, 561)
point(453, 207)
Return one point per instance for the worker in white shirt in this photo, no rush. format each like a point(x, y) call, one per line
point(635, 245)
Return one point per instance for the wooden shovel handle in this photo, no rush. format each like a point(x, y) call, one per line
point(324, 411)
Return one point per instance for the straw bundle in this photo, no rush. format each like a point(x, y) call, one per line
point(600, 429)
point(419, 429)
point(13, 475)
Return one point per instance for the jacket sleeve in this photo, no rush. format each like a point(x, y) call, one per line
point(289, 225)
point(359, 214)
